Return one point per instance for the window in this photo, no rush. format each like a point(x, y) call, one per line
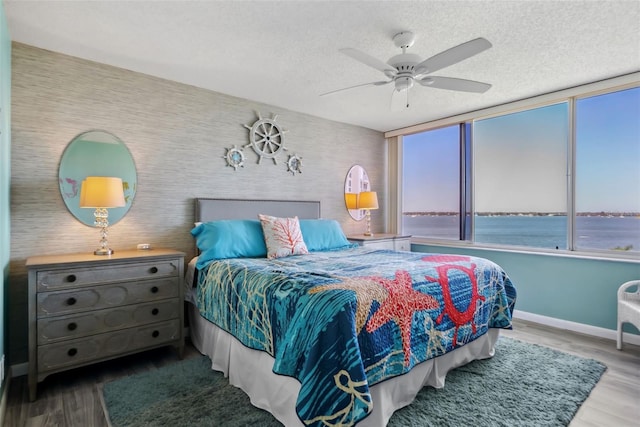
point(520, 178)
point(431, 183)
point(561, 176)
point(608, 171)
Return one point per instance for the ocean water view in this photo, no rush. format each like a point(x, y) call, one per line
point(549, 232)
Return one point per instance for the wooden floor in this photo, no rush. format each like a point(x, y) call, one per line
point(72, 398)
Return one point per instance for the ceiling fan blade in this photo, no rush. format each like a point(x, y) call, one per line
point(451, 83)
point(453, 55)
point(369, 60)
point(380, 83)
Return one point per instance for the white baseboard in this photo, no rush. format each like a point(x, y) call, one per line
point(577, 327)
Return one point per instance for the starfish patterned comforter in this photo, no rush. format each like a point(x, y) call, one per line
point(342, 321)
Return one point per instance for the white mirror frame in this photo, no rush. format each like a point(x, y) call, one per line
point(356, 182)
point(96, 153)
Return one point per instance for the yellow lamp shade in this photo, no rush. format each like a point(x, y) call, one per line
point(101, 192)
point(351, 200)
point(367, 200)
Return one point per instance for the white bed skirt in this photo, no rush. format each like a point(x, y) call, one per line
point(251, 371)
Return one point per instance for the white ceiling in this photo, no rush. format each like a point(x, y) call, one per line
point(285, 53)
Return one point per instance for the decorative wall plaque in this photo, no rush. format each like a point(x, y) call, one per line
point(234, 157)
point(266, 137)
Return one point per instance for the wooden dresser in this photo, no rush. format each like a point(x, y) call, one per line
point(85, 308)
point(394, 242)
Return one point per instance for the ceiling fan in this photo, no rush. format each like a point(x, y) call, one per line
point(405, 69)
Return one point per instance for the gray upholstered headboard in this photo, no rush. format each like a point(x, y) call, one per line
point(217, 209)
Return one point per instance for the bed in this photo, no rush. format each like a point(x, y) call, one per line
point(333, 334)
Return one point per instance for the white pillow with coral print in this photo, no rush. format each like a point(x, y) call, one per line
point(282, 236)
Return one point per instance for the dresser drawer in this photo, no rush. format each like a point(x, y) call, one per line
point(392, 242)
point(103, 346)
point(49, 280)
point(107, 296)
point(61, 328)
point(382, 244)
point(403, 245)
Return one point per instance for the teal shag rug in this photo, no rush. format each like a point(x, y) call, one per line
point(522, 385)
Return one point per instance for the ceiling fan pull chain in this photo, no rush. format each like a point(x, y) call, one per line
point(407, 92)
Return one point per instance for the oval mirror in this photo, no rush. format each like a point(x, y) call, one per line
point(96, 153)
point(356, 182)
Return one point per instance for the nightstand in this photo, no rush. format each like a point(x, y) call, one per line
point(394, 242)
point(86, 308)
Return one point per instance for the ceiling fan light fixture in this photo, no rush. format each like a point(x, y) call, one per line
point(404, 83)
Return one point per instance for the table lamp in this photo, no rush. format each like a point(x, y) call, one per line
point(102, 193)
point(367, 200)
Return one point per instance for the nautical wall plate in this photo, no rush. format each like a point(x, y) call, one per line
point(234, 157)
point(294, 164)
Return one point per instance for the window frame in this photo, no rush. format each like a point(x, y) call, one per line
point(465, 121)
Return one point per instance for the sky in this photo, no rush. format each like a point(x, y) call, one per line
point(521, 160)
point(431, 168)
point(608, 152)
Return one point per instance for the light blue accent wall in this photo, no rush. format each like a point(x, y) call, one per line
point(567, 288)
point(5, 170)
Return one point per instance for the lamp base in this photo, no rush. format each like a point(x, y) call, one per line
point(103, 251)
point(368, 233)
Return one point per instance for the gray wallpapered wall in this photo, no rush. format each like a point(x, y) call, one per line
point(178, 135)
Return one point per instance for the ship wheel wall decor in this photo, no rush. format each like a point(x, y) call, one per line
point(294, 164)
point(266, 137)
point(234, 157)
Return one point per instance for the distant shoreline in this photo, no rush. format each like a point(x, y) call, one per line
point(585, 214)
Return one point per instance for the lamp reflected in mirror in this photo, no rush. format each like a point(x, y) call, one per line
point(351, 200)
point(367, 200)
point(102, 193)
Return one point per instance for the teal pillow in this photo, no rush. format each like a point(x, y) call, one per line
point(323, 235)
point(229, 239)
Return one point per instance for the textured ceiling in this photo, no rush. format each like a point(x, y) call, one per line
point(286, 53)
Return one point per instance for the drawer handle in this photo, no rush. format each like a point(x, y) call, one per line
point(153, 270)
point(72, 326)
point(71, 301)
point(71, 278)
point(154, 290)
point(72, 352)
point(155, 311)
point(155, 334)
